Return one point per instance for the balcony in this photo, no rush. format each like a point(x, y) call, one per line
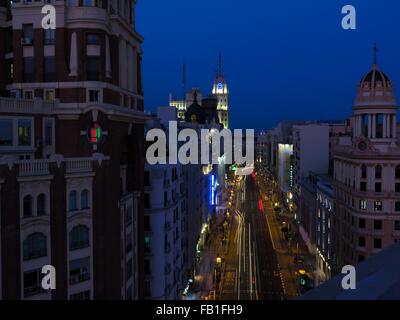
point(78, 165)
point(16, 105)
point(33, 168)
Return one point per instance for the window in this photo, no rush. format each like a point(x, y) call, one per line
point(27, 34)
point(378, 224)
point(33, 282)
point(397, 173)
point(49, 95)
point(361, 258)
point(361, 241)
point(363, 186)
point(397, 206)
point(378, 172)
point(378, 187)
point(129, 269)
point(48, 132)
point(147, 245)
point(128, 242)
point(84, 295)
point(48, 36)
point(72, 201)
point(147, 178)
point(49, 68)
point(94, 95)
point(146, 223)
point(85, 199)
point(92, 38)
point(128, 216)
point(147, 200)
point(93, 68)
point(147, 267)
point(378, 205)
point(28, 94)
point(79, 270)
point(6, 132)
point(377, 243)
point(361, 223)
point(28, 205)
point(379, 126)
point(35, 246)
point(397, 187)
point(79, 237)
point(363, 204)
point(397, 225)
point(24, 132)
point(87, 3)
point(363, 171)
point(41, 204)
point(28, 69)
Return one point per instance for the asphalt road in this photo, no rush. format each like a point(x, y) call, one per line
point(252, 270)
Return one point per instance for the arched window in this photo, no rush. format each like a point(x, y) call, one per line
point(72, 201)
point(398, 172)
point(363, 171)
point(85, 199)
point(35, 246)
point(28, 205)
point(378, 172)
point(79, 237)
point(41, 205)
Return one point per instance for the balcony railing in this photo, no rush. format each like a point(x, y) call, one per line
point(17, 105)
point(78, 165)
point(33, 168)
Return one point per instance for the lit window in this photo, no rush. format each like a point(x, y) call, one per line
point(378, 205)
point(363, 204)
point(24, 132)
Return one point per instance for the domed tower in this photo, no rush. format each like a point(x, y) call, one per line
point(366, 178)
point(220, 90)
point(375, 107)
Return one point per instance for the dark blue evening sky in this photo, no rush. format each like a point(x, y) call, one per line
point(283, 60)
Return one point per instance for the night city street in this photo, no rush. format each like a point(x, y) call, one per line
point(199, 159)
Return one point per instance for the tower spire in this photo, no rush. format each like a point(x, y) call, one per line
point(219, 72)
point(375, 53)
point(184, 80)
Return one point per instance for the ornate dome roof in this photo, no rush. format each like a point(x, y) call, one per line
point(375, 78)
point(195, 113)
point(375, 89)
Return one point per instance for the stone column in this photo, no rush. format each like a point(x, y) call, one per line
point(108, 58)
point(73, 59)
point(384, 126)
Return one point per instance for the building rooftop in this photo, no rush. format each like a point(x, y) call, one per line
point(377, 278)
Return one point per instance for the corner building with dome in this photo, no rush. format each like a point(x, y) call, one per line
point(367, 175)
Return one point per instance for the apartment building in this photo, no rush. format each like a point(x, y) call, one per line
point(71, 151)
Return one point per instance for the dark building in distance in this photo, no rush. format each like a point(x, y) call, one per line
point(71, 151)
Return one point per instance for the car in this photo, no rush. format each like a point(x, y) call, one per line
point(298, 259)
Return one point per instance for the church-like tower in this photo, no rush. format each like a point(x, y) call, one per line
point(220, 90)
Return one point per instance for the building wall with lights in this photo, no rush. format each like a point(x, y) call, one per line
point(70, 159)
